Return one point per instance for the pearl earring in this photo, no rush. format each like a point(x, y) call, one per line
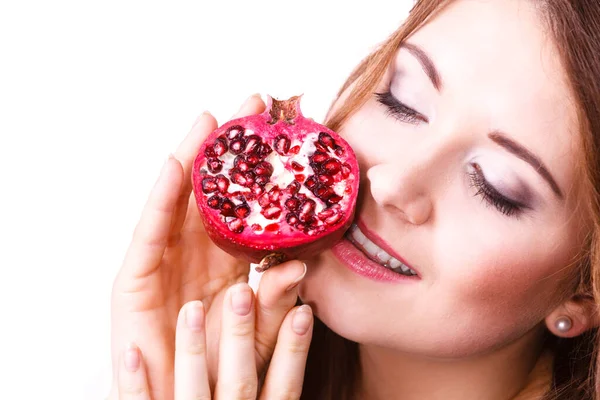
point(563, 324)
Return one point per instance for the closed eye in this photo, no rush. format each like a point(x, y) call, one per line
point(400, 110)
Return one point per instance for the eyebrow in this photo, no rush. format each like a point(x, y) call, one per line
point(527, 156)
point(426, 63)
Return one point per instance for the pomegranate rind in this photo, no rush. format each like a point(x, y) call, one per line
point(290, 243)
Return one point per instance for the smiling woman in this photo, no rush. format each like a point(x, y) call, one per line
point(470, 270)
point(476, 129)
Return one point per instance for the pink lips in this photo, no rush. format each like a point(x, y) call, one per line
point(375, 238)
point(359, 263)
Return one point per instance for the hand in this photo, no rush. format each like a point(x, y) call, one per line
point(171, 261)
point(237, 375)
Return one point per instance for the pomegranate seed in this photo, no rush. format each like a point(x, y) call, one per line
point(242, 211)
point(209, 185)
point(301, 196)
point(326, 213)
point(252, 143)
point(252, 160)
point(272, 227)
point(222, 183)
point(295, 150)
point(299, 177)
point(264, 168)
point(240, 163)
point(257, 188)
point(320, 147)
point(256, 227)
point(333, 219)
point(346, 170)
point(271, 212)
point(265, 150)
point(249, 177)
point(220, 146)
point(293, 188)
point(292, 204)
point(334, 199)
point(237, 177)
point(235, 131)
point(348, 190)
point(297, 167)
point(237, 146)
point(209, 152)
point(262, 180)
point(339, 151)
point(227, 208)
point(311, 182)
point(291, 219)
point(319, 157)
point(274, 194)
point(326, 140)
point(282, 144)
point(325, 180)
point(332, 167)
point(214, 165)
point(214, 202)
point(307, 210)
point(236, 225)
point(264, 200)
point(324, 192)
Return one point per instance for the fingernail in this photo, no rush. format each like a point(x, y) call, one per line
point(241, 299)
point(297, 281)
point(194, 316)
point(301, 320)
point(255, 95)
point(132, 358)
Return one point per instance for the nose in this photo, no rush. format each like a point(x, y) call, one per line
point(402, 190)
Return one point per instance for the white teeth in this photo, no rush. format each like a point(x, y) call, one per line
point(383, 256)
point(394, 263)
point(378, 253)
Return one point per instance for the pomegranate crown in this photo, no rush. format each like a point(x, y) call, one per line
point(284, 110)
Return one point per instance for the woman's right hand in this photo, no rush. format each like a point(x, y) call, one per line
point(172, 261)
point(237, 375)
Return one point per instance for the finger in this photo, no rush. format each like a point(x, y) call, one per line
point(132, 381)
point(286, 371)
point(276, 296)
point(152, 232)
point(237, 377)
point(191, 372)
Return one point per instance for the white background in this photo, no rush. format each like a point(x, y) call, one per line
point(94, 95)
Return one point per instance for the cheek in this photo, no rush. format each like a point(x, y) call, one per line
point(503, 278)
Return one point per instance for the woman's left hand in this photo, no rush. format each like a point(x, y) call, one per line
point(237, 375)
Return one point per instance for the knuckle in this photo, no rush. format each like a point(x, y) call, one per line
point(297, 347)
point(131, 389)
point(245, 389)
point(242, 330)
point(196, 349)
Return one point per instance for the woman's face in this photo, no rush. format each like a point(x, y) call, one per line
point(468, 161)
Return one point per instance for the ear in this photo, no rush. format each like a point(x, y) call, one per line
point(581, 310)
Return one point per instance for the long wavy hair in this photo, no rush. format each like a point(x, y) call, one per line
point(333, 368)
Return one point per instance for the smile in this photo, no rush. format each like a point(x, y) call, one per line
point(376, 253)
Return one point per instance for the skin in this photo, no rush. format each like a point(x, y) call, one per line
point(472, 323)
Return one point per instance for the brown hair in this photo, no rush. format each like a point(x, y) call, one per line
point(333, 368)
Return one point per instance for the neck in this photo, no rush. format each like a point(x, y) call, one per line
point(498, 375)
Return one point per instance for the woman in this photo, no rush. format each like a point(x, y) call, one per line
point(477, 128)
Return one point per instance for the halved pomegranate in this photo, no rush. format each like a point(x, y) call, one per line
point(275, 186)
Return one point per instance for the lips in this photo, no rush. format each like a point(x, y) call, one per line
point(376, 253)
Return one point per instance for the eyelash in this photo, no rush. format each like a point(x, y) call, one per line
point(399, 110)
point(406, 114)
point(491, 195)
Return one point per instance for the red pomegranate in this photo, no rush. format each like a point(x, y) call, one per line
point(275, 186)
